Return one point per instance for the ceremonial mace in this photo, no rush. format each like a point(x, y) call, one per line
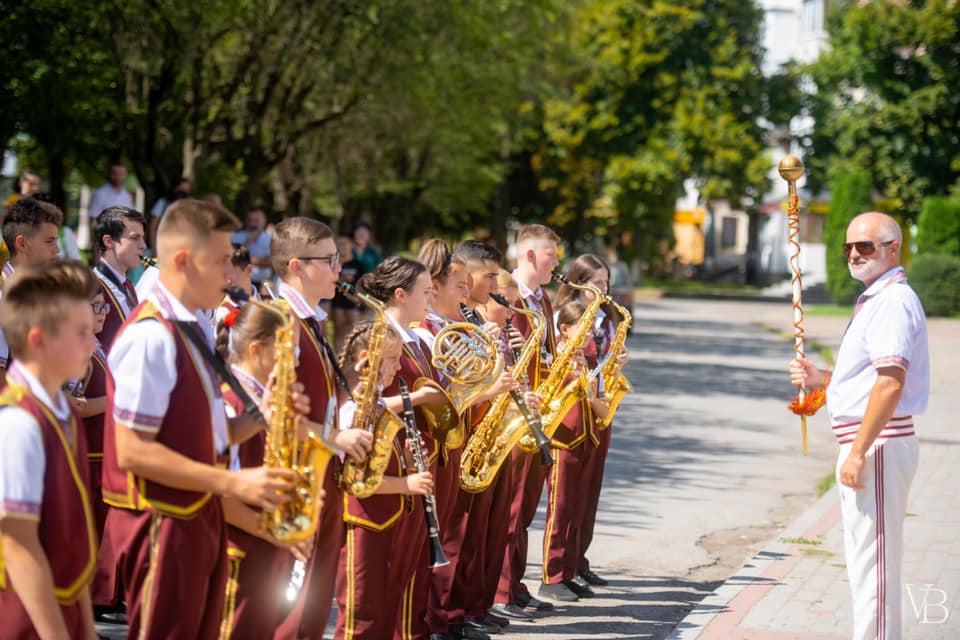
point(807, 402)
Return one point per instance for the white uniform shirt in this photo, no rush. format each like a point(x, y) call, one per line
point(888, 328)
point(147, 280)
point(256, 391)
point(22, 459)
point(143, 363)
point(425, 334)
point(534, 300)
point(300, 306)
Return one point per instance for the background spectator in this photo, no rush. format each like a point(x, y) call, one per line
point(183, 189)
point(345, 313)
point(112, 193)
point(363, 250)
point(256, 238)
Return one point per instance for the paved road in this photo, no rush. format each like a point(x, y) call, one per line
point(705, 467)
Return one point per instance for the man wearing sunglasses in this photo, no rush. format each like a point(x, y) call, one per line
point(880, 382)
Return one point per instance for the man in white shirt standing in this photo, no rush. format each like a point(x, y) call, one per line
point(881, 380)
point(111, 193)
point(256, 238)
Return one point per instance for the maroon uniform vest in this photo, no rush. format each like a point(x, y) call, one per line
point(186, 428)
point(379, 511)
point(115, 317)
point(577, 425)
point(413, 367)
point(316, 374)
point(95, 386)
point(66, 527)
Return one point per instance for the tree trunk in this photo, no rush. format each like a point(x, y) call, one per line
point(56, 174)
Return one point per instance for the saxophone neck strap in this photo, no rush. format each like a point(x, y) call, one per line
point(314, 325)
point(192, 331)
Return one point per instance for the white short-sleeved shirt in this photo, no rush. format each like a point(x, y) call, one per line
point(22, 459)
point(300, 306)
point(147, 280)
point(425, 334)
point(256, 390)
point(888, 328)
point(259, 248)
point(143, 362)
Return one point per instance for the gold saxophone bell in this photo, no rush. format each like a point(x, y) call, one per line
point(468, 357)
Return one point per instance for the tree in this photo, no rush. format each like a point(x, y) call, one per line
point(938, 228)
point(659, 92)
point(885, 99)
point(852, 194)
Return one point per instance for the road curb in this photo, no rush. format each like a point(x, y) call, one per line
point(753, 571)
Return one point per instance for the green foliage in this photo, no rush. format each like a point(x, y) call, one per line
point(655, 93)
point(938, 228)
point(936, 279)
point(886, 99)
point(851, 194)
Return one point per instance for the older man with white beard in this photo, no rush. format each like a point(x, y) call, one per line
point(880, 382)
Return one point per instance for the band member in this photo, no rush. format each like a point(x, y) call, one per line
point(566, 502)
point(47, 536)
point(450, 290)
point(118, 232)
point(30, 233)
point(880, 382)
point(481, 539)
point(371, 580)
point(591, 269)
point(238, 277)
point(537, 248)
point(406, 289)
point(306, 260)
point(499, 517)
point(259, 565)
point(166, 436)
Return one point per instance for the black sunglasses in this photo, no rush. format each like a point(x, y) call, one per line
point(864, 247)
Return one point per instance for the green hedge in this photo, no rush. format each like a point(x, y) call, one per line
point(936, 279)
point(851, 194)
point(938, 228)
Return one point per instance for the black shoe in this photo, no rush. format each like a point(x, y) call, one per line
point(500, 621)
point(594, 579)
point(537, 604)
point(479, 624)
point(440, 636)
point(559, 592)
point(511, 611)
point(580, 587)
point(110, 615)
point(465, 632)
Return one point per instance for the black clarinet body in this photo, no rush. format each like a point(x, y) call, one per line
point(532, 417)
point(437, 557)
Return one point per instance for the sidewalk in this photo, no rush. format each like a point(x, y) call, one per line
point(796, 587)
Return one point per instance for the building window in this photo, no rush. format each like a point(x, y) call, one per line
point(811, 17)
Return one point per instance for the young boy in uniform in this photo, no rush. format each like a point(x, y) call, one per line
point(166, 438)
point(47, 535)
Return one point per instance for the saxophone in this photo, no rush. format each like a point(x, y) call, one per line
point(501, 429)
point(296, 519)
point(361, 479)
point(559, 397)
point(615, 384)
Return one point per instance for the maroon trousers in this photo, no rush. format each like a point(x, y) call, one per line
point(255, 601)
point(592, 496)
point(174, 571)
point(372, 579)
point(311, 610)
point(452, 517)
point(16, 624)
point(105, 590)
point(528, 478)
point(566, 506)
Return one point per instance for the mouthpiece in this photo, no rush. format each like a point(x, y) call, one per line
point(559, 277)
point(500, 300)
point(237, 294)
point(148, 261)
point(346, 288)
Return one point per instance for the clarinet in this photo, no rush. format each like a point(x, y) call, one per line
point(532, 417)
point(437, 558)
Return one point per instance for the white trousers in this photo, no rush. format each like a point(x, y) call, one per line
point(873, 535)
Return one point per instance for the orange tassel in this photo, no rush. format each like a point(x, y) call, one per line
point(811, 403)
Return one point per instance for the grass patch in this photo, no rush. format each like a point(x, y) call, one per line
point(818, 552)
point(799, 541)
point(828, 311)
point(826, 483)
point(911, 515)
